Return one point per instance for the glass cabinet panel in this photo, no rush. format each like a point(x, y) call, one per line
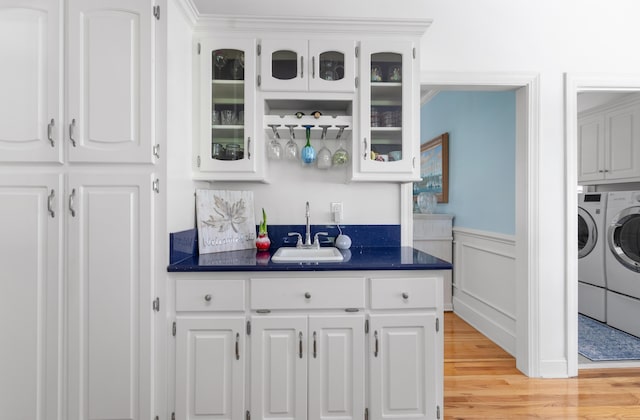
point(226, 141)
point(227, 104)
point(386, 107)
point(284, 64)
point(331, 64)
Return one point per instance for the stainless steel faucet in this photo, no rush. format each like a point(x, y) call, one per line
point(307, 236)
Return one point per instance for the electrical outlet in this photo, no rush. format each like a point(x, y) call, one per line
point(336, 212)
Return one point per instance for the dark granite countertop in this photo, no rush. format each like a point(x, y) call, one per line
point(388, 255)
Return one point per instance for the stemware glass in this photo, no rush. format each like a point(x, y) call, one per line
point(275, 150)
point(219, 60)
point(308, 152)
point(340, 156)
point(291, 148)
point(324, 154)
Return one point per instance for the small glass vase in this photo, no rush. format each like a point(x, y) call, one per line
point(263, 242)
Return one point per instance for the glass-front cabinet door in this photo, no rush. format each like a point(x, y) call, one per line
point(227, 146)
point(388, 148)
point(301, 65)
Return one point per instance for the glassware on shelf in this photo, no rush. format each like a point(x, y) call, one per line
point(291, 148)
point(323, 160)
point(395, 73)
point(376, 74)
point(237, 71)
point(275, 151)
point(220, 61)
point(308, 152)
point(228, 117)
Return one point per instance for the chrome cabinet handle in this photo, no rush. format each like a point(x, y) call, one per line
point(72, 205)
point(313, 67)
point(365, 149)
point(156, 151)
point(375, 348)
point(72, 129)
point(249, 148)
point(405, 295)
point(301, 67)
point(237, 346)
point(207, 298)
point(50, 132)
point(315, 349)
point(52, 195)
point(300, 345)
point(307, 295)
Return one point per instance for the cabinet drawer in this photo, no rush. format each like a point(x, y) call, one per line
point(298, 293)
point(404, 293)
point(210, 295)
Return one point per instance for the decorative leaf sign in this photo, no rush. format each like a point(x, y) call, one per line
point(225, 220)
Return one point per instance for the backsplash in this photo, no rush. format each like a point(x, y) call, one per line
point(185, 243)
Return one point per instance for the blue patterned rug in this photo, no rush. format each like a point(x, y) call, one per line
point(599, 342)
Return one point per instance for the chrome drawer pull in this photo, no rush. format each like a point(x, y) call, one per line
point(405, 295)
point(300, 345)
point(307, 295)
point(237, 346)
point(315, 350)
point(207, 298)
point(375, 349)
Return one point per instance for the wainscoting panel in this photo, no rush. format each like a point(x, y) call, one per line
point(484, 288)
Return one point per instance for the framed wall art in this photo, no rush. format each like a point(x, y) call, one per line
point(434, 168)
point(225, 220)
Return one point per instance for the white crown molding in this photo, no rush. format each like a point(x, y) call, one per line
point(427, 94)
point(379, 26)
point(189, 10)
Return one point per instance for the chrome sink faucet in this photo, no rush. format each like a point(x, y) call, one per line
point(307, 236)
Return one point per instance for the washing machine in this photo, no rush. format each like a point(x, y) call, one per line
point(591, 251)
point(622, 261)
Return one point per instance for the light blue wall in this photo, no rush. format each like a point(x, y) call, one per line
point(481, 127)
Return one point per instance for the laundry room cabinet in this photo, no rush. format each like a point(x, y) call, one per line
point(608, 139)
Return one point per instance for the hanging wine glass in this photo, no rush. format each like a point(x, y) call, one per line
point(324, 154)
point(291, 148)
point(274, 150)
point(308, 152)
point(340, 156)
point(238, 67)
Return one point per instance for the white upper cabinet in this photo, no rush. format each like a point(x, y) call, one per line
point(307, 65)
point(109, 81)
point(226, 148)
point(388, 147)
point(30, 87)
point(609, 144)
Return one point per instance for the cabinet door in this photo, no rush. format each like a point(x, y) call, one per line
point(30, 87)
point(109, 81)
point(110, 358)
point(623, 153)
point(336, 367)
point(30, 297)
point(227, 145)
point(279, 367)
point(591, 148)
point(284, 65)
point(210, 360)
point(403, 370)
point(389, 145)
point(332, 65)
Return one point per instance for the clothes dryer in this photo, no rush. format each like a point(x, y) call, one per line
point(591, 251)
point(622, 260)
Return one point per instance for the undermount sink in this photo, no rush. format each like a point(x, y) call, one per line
point(290, 254)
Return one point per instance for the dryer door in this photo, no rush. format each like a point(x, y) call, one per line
point(624, 237)
point(587, 233)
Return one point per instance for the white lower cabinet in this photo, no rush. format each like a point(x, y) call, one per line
point(309, 346)
point(403, 367)
point(210, 369)
point(307, 367)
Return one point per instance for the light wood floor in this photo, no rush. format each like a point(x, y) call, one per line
point(482, 382)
